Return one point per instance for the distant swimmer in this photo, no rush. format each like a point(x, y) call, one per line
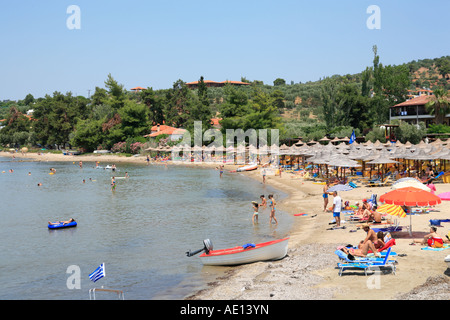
point(113, 183)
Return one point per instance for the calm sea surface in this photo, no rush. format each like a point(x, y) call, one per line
point(141, 230)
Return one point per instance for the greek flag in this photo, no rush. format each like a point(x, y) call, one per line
point(98, 273)
point(352, 137)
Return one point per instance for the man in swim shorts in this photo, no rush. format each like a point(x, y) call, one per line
point(337, 206)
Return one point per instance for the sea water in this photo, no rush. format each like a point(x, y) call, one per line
point(140, 231)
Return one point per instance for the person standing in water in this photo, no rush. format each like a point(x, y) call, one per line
point(113, 183)
point(255, 212)
point(263, 201)
point(272, 204)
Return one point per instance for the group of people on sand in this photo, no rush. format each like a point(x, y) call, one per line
point(364, 211)
point(372, 242)
point(272, 205)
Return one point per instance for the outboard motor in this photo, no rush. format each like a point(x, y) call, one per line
point(207, 247)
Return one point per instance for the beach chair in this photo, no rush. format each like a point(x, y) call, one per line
point(373, 183)
point(366, 266)
point(369, 258)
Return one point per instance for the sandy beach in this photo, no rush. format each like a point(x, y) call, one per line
point(309, 270)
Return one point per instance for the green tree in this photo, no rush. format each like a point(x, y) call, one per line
point(100, 96)
point(29, 99)
point(439, 104)
point(278, 98)
point(88, 134)
point(134, 119)
point(410, 132)
point(154, 104)
point(279, 82)
point(56, 117)
point(443, 65)
point(202, 92)
point(178, 104)
point(116, 93)
point(328, 93)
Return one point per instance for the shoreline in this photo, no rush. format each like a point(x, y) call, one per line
point(308, 271)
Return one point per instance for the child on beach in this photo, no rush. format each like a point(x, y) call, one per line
point(255, 212)
point(263, 201)
point(272, 205)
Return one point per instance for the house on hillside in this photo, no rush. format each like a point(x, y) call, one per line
point(174, 133)
point(413, 111)
point(214, 84)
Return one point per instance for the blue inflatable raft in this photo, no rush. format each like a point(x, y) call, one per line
point(62, 225)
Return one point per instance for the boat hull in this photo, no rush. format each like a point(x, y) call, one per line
point(272, 250)
point(247, 168)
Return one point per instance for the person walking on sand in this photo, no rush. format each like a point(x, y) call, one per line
point(263, 172)
point(337, 206)
point(272, 205)
point(325, 195)
point(255, 212)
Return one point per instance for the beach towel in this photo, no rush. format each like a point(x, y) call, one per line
point(446, 246)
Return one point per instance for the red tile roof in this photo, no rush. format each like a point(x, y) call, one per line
point(163, 129)
point(215, 121)
point(205, 81)
point(236, 82)
point(421, 100)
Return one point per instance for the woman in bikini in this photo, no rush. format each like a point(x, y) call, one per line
point(272, 205)
point(362, 250)
point(325, 196)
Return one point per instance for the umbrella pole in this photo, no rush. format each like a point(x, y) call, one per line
point(410, 224)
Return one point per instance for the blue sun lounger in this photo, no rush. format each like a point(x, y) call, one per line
point(385, 263)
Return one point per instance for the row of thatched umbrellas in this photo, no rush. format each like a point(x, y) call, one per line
point(347, 155)
point(341, 155)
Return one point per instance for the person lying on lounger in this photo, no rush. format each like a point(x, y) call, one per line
point(362, 250)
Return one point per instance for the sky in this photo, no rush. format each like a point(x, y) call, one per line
point(155, 43)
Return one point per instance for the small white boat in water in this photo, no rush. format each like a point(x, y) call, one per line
point(272, 250)
point(250, 167)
